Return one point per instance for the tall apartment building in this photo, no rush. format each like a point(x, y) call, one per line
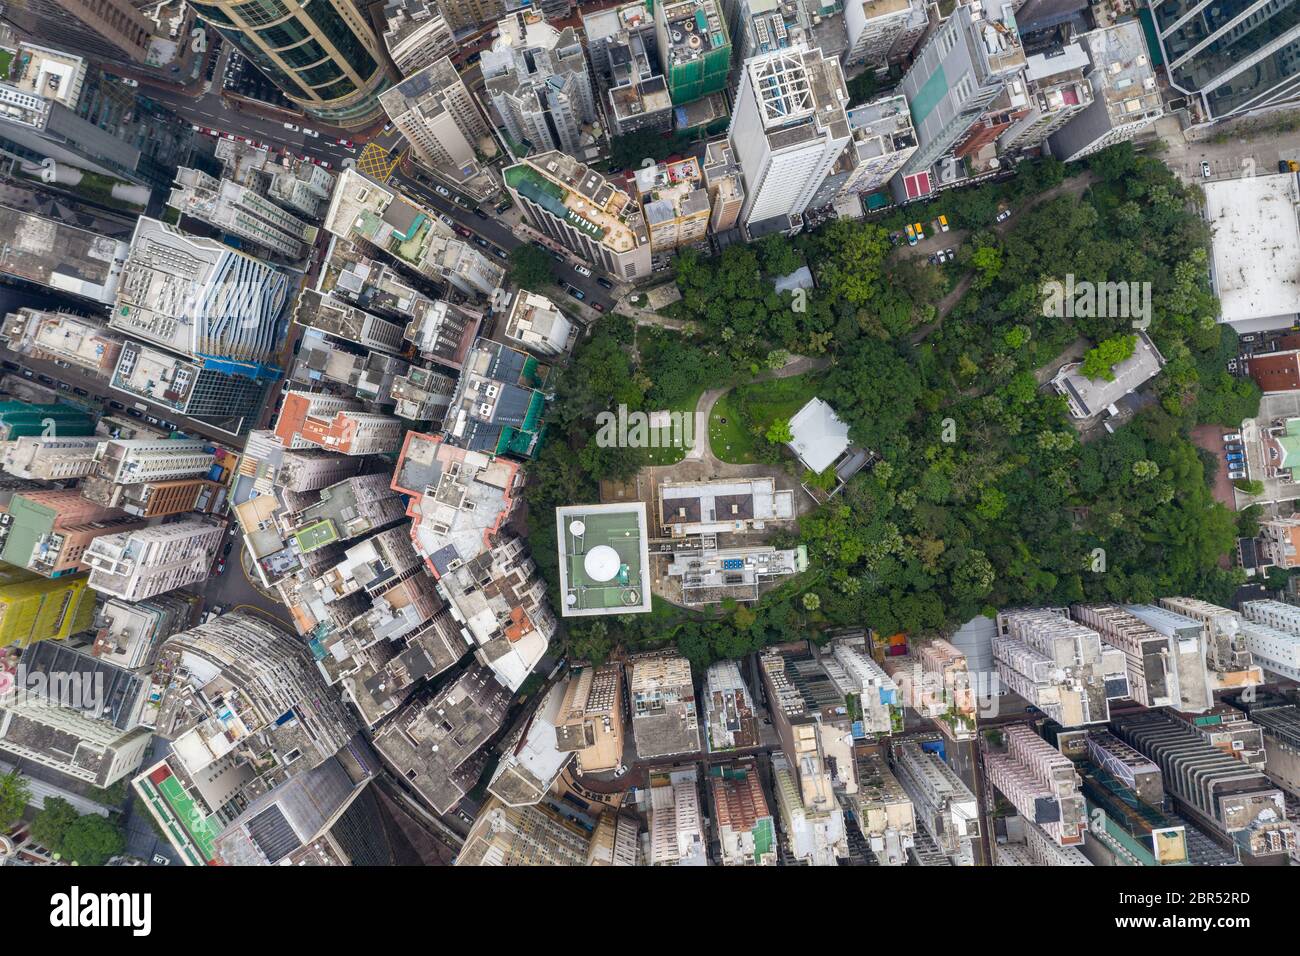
point(422, 395)
point(694, 48)
point(157, 499)
point(531, 759)
point(33, 608)
point(746, 831)
point(1058, 91)
point(76, 714)
point(664, 718)
point(49, 459)
point(591, 718)
point(536, 323)
point(341, 319)
point(434, 741)
point(531, 835)
point(299, 185)
point(324, 56)
point(200, 299)
point(615, 841)
point(471, 13)
point(1227, 649)
point(435, 111)
point(1231, 62)
point(240, 211)
point(1279, 542)
point(883, 811)
point(364, 210)
point(1162, 671)
point(945, 668)
point(1125, 96)
point(336, 424)
point(205, 391)
point(816, 837)
point(1059, 666)
point(787, 130)
point(111, 30)
point(582, 210)
point(876, 27)
point(128, 633)
point(48, 531)
point(140, 564)
point(729, 720)
point(725, 182)
point(416, 34)
point(675, 821)
point(138, 460)
point(882, 142)
point(1279, 720)
point(310, 469)
point(1040, 782)
point(1272, 632)
point(946, 808)
point(960, 70)
point(623, 48)
point(63, 257)
point(60, 336)
point(536, 77)
point(674, 203)
point(879, 702)
point(1238, 806)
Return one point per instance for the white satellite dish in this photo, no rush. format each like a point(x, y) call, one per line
point(577, 527)
point(602, 563)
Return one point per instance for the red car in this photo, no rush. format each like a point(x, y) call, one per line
point(598, 307)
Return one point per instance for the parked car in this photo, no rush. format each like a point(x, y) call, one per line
point(480, 213)
point(950, 254)
point(462, 231)
point(133, 412)
point(582, 270)
point(1205, 169)
point(442, 191)
point(64, 386)
point(555, 255)
point(480, 241)
point(447, 219)
point(1233, 436)
point(346, 143)
point(82, 392)
point(598, 307)
point(151, 420)
point(1246, 338)
point(27, 373)
point(221, 566)
point(1288, 166)
point(943, 223)
point(1236, 475)
point(291, 128)
point(1004, 215)
point(500, 253)
point(604, 283)
point(45, 380)
point(310, 132)
point(575, 292)
point(116, 405)
point(62, 364)
point(1234, 446)
point(622, 769)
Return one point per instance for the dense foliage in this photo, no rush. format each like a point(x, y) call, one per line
point(985, 496)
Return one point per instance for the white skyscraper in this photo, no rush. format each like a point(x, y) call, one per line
point(787, 130)
point(139, 564)
point(49, 459)
point(129, 462)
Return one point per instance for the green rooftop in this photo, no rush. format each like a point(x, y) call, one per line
point(316, 535)
point(604, 558)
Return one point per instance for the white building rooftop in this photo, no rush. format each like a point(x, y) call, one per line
point(1256, 249)
point(819, 435)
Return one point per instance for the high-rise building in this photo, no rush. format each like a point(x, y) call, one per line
point(1230, 63)
point(664, 719)
point(945, 806)
point(1272, 632)
point(537, 324)
point(422, 395)
point(876, 697)
point(1040, 782)
point(615, 841)
point(26, 420)
point(622, 45)
point(48, 531)
point(140, 564)
point(591, 718)
point(434, 741)
point(471, 13)
point(531, 759)
point(582, 210)
point(1279, 541)
point(530, 835)
point(297, 184)
point(726, 185)
point(787, 130)
point(746, 831)
point(128, 633)
point(1227, 649)
point(322, 54)
point(729, 720)
point(335, 424)
point(204, 390)
point(674, 203)
point(498, 406)
point(1059, 666)
point(810, 714)
point(61, 257)
point(138, 460)
point(201, 299)
point(241, 211)
point(363, 210)
point(882, 142)
point(435, 111)
point(694, 48)
point(883, 811)
point(310, 469)
point(112, 30)
point(60, 336)
point(536, 77)
point(157, 499)
point(959, 72)
point(1058, 91)
point(877, 27)
point(674, 820)
point(342, 320)
point(33, 608)
point(49, 459)
point(416, 34)
point(1162, 671)
point(1125, 96)
point(816, 837)
point(1238, 806)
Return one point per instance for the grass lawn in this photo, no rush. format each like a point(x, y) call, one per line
point(764, 403)
point(668, 454)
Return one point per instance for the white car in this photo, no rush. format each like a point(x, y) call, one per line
point(291, 128)
point(442, 191)
point(1004, 215)
point(622, 769)
point(1234, 436)
point(582, 270)
point(310, 132)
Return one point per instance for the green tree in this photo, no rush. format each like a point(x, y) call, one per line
point(52, 822)
point(92, 840)
point(530, 267)
point(778, 433)
point(14, 793)
point(1098, 362)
